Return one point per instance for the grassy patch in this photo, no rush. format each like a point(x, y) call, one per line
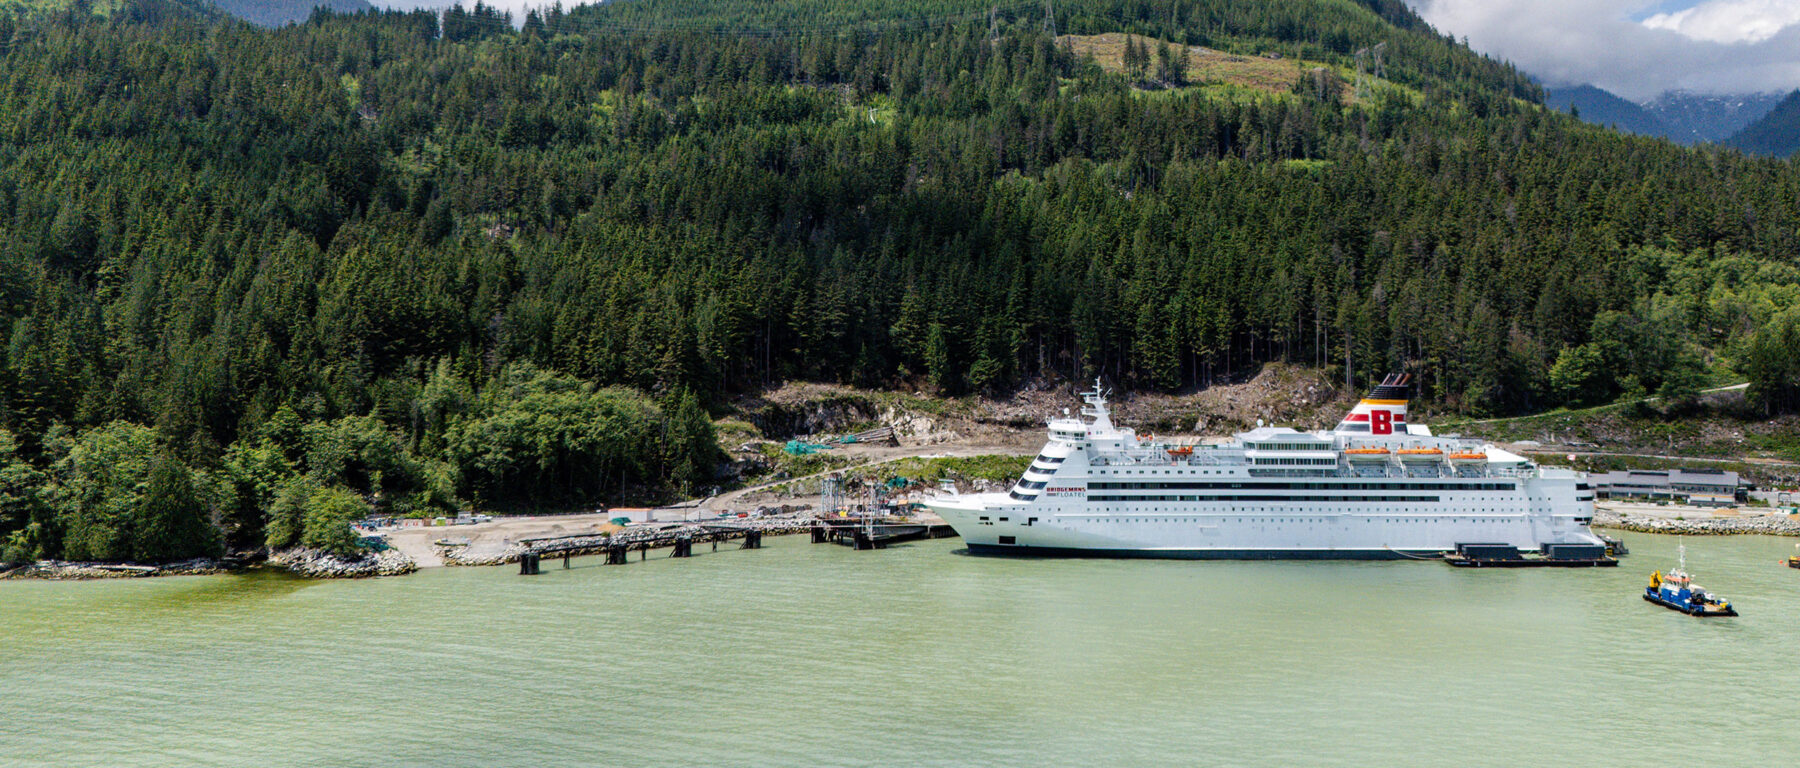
point(735, 432)
point(1205, 65)
point(781, 463)
point(1237, 75)
point(930, 471)
point(1307, 167)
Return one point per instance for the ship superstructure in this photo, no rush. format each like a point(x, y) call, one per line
point(1376, 486)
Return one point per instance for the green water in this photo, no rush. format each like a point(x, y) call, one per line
point(802, 654)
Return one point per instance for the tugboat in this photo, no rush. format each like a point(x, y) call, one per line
point(1677, 591)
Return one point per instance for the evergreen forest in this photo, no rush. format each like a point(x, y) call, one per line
point(255, 282)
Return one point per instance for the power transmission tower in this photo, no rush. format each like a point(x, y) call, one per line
point(1363, 58)
point(1050, 17)
point(994, 23)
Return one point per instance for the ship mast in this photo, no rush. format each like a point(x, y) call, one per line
point(1096, 408)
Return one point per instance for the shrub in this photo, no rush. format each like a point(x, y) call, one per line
point(329, 513)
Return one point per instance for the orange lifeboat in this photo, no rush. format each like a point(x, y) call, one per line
point(1366, 454)
point(1420, 454)
point(1468, 456)
point(1181, 451)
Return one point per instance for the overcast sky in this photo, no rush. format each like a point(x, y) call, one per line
point(1635, 48)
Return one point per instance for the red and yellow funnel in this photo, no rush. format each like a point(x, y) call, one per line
point(1383, 412)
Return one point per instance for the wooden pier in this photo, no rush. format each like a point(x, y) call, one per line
point(679, 540)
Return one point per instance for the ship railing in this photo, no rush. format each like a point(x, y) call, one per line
point(1159, 459)
point(1259, 472)
point(1395, 471)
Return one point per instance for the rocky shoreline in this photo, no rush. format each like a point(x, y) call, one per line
point(63, 569)
point(1767, 525)
point(315, 564)
point(303, 562)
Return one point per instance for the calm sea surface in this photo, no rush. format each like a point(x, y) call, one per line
point(802, 654)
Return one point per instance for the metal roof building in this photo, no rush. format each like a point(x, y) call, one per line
point(1702, 486)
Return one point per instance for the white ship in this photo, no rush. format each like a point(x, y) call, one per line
point(1376, 486)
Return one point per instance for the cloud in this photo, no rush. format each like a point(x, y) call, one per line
point(1716, 46)
point(1730, 21)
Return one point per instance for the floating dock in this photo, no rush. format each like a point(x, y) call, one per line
point(867, 534)
point(1552, 556)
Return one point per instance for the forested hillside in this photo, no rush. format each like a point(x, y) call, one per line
point(244, 270)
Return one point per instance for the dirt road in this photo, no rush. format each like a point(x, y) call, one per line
point(490, 537)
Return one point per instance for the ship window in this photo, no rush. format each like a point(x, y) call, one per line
point(1009, 539)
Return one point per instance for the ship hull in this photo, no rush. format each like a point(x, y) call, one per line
point(1349, 531)
point(1009, 550)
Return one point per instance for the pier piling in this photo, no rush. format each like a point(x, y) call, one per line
point(680, 542)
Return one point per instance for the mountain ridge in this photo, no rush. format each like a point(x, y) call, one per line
point(1776, 134)
point(1679, 116)
point(1598, 106)
point(274, 13)
point(1694, 118)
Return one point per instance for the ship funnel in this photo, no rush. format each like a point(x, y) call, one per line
point(1383, 411)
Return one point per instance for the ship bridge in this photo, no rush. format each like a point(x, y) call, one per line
point(1099, 434)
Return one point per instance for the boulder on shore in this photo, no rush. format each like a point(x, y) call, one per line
point(316, 564)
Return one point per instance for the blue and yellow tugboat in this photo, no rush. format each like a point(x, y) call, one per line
point(1678, 591)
